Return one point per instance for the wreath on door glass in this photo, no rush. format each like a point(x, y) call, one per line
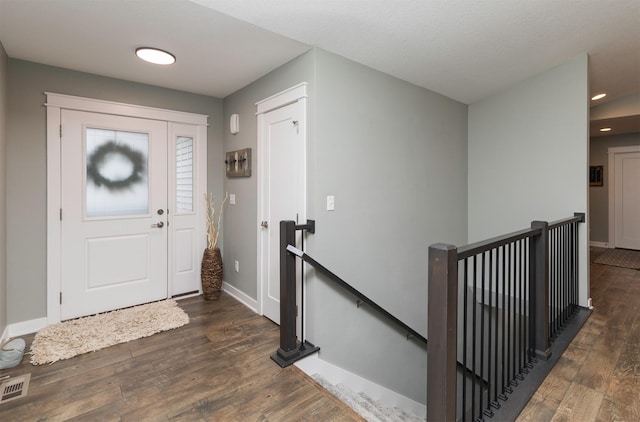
point(97, 160)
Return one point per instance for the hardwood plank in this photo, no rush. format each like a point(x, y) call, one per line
point(625, 380)
point(538, 410)
point(217, 367)
point(597, 374)
point(579, 404)
point(611, 411)
point(602, 364)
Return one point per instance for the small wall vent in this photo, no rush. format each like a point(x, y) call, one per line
point(14, 388)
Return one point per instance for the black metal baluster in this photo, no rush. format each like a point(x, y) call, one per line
point(531, 312)
point(520, 296)
point(525, 305)
point(495, 403)
point(572, 292)
point(482, 334)
point(516, 309)
point(565, 287)
point(558, 281)
point(523, 313)
point(577, 256)
point(473, 340)
point(569, 269)
point(550, 236)
point(575, 264)
point(524, 318)
point(504, 317)
point(562, 276)
point(464, 338)
point(552, 280)
point(512, 315)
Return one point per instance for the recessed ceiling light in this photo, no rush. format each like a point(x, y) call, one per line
point(155, 55)
point(605, 129)
point(599, 96)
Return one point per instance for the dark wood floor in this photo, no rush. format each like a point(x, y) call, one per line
point(216, 368)
point(598, 377)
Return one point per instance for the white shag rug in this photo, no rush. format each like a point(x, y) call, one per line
point(71, 338)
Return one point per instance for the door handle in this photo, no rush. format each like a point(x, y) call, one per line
point(158, 225)
point(264, 224)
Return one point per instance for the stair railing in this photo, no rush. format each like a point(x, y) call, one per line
point(290, 349)
point(494, 310)
point(495, 307)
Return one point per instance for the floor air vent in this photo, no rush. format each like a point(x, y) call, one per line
point(14, 388)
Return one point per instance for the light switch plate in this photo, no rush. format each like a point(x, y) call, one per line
point(331, 205)
point(232, 199)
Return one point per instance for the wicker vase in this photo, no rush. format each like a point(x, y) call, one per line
point(211, 274)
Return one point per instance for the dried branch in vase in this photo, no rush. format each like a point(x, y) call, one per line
point(213, 226)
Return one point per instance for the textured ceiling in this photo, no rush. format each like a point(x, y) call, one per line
point(216, 54)
point(464, 49)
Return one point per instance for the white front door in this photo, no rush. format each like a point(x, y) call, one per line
point(627, 200)
point(282, 193)
point(114, 227)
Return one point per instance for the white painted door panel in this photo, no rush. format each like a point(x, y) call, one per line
point(114, 212)
point(282, 185)
point(187, 189)
point(627, 200)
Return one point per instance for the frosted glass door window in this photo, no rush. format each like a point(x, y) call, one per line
point(117, 173)
point(184, 174)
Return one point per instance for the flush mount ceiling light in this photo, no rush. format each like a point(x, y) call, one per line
point(605, 129)
point(599, 96)
point(155, 55)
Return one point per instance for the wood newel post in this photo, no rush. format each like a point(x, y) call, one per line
point(290, 351)
point(441, 332)
point(539, 289)
point(287, 288)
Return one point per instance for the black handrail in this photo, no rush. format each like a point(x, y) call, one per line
point(318, 266)
point(578, 217)
point(291, 350)
point(495, 242)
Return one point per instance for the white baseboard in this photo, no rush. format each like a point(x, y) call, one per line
point(335, 375)
point(600, 244)
point(27, 327)
point(240, 296)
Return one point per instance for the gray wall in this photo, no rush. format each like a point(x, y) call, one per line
point(599, 195)
point(528, 149)
point(241, 220)
point(3, 199)
point(394, 157)
point(26, 164)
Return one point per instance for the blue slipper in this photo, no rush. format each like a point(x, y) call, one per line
point(11, 353)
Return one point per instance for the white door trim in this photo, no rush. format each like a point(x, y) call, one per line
point(282, 98)
point(297, 93)
point(55, 103)
point(71, 102)
point(611, 152)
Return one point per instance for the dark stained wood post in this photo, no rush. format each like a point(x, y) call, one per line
point(288, 351)
point(539, 289)
point(441, 332)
